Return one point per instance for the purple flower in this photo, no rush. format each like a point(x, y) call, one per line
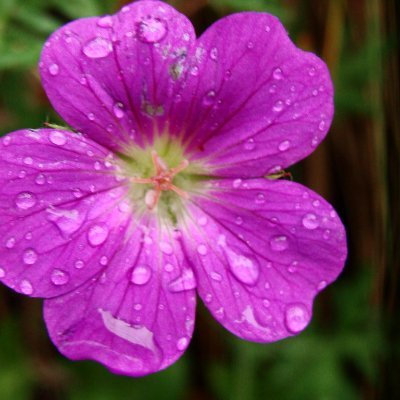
point(168, 190)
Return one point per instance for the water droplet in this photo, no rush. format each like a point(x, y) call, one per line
point(25, 200)
point(243, 268)
point(236, 183)
point(59, 277)
point(79, 264)
point(118, 110)
point(296, 317)
point(91, 117)
point(202, 221)
point(266, 303)
point(28, 161)
point(316, 203)
point(208, 298)
point(277, 74)
point(215, 276)
point(26, 287)
point(194, 70)
point(6, 140)
point(29, 256)
point(10, 243)
point(279, 243)
point(40, 179)
point(97, 235)
point(322, 126)
point(166, 248)
point(278, 106)
point(182, 343)
point(312, 71)
point(249, 144)
point(58, 138)
point(209, 98)
point(97, 48)
point(2, 273)
point(238, 220)
point(283, 146)
point(202, 249)
point(105, 22)
point(141, 275)
point(250, 45)
point(315, 92)
point(322, 285)
point(260, 198)
point(214, 54)
point(310, 221)
point(267, 28)
point(104, 261)
point(151, 30)
point(326, 235)
point(54, 69)
point(169, 267)
point(185, 282)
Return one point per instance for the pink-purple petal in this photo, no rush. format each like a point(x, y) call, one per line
point(261, 251)
point(59, 217)
point(257, 103)
point(138, 316)
point(114, 77)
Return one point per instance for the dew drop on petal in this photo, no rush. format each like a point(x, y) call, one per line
point(209, 98)
point(26, 287)
point(166, 248)
point(260, 198)
point(97, 235)
point(25, 200)
point(10, 243)
point(296, 317)
point(249, 144)
point(58, 138)
point(277, 74)
point(244, 269)
point(118, 110)
point(322, 285)
point(278, 106)
point(104, 261)
point(79, 264)
point(59, 277)
point(182, 343)
point(29, 256)
point(97, 48)
point(91, 117)
point(141, 274)
point(105, 22)
point(279, 243)
point(2, 272)
point(283, 146)
point(238, 220)
point(322, 126)
point(28, 161)
point(40, 179)
point(185, 282)
point(236, 183)
point(214, 54)
point(202, 249)
point(151, 30)
point(54, 69)
point(310, 221)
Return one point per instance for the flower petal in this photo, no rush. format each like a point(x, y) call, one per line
point(59, 220)
point(137, 317)
point(258, 103)
point(114, 77)
point(261, 251)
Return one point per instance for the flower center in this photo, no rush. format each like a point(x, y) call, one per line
point(162, 180)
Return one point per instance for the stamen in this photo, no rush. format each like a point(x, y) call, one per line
point(162, 181)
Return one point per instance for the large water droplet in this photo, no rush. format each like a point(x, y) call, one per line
point(40, 179)
point(214, 54)
point(260, 198)
point(279, 243)
point(151, 30)
point(58, 138)
point(29, 256)
point(28, 160)
point(59, 277)
point(296, 317)
point(97, 235)
point(141, 274)
point(209, 98)
point(25, 200)
point(26, 287)
point(97, 48)
point(54, 69)
point(79, 264)
point(202, 249)
point(243, 268)
point(310, 221)
point(185, 282)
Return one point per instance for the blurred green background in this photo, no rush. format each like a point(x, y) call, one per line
point(351, 349)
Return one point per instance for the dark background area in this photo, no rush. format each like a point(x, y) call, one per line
point(351, 349)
